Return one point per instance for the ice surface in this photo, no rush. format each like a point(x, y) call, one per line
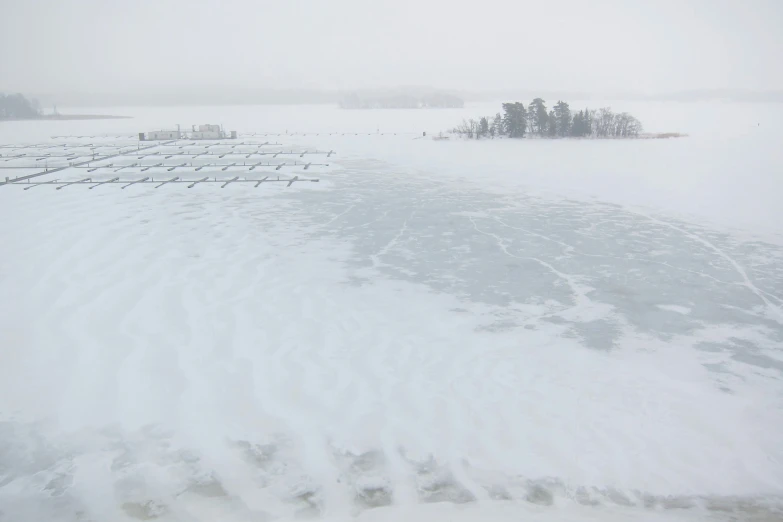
point(553, 330)
point(675, 308)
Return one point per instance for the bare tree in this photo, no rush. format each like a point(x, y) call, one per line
point(497, 123)
point(604, 123)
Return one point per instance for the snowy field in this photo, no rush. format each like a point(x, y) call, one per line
point(509, 330)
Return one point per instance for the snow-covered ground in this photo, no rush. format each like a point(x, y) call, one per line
point(540, 330)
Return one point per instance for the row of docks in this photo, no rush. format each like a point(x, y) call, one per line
point(149, 180)
point(185, 165)
point(165, 154)
point(217, 161)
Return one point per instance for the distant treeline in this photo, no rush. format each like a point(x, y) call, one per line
point(402, 101)
point(558, 122)
point(16, 106)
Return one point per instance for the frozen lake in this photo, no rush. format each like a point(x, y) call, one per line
point(506, 330)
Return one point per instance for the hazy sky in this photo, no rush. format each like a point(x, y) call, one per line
point(595, 45)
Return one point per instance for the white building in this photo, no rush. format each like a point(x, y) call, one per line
point(203, 132)
point(207, 132)
point(163, 135)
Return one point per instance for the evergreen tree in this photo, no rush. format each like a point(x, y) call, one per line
point(515, 119)
point(483, 127)
point(551, 125)
point(538, 116)
point(521, 119)
point(577, 126)
point(562, 119)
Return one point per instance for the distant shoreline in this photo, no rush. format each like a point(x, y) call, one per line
point(67, 117)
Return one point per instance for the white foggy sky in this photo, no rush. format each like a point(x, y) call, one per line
point(596, 45)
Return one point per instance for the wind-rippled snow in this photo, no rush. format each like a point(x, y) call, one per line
point(435, 331)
